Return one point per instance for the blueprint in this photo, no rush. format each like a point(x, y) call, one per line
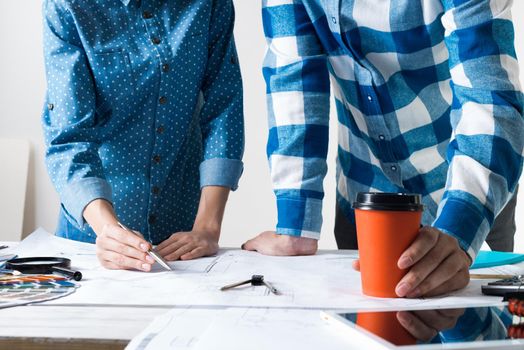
point(322, 281)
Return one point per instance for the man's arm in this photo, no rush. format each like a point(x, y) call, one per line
point(485, 151)
point(297, 80)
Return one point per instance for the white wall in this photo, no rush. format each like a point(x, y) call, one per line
point(250, 210)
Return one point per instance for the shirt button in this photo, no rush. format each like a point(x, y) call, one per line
point(233, 60)
point(165, 67)
point(381, 137)
point(162, 100)
point(370, 98)
point(156, 158)
point(155, 190)
point(50, 106)
point(160, 129)
point(147, 15)
point(393, 168)
point(156, 41)
point(152, 219)
point(334, 19)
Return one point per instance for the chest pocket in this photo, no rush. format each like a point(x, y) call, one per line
point(114, 80)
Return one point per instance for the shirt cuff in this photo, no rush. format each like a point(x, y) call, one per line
point(77, 195)
point(465, 222)
point(221, 172)
point(299, 217)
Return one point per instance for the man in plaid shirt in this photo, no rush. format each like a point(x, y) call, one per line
point(428, 101)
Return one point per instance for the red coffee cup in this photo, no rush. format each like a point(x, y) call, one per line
point(387, 224)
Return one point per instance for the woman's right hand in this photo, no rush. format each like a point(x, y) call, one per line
point(122, 250)
point(116, 248)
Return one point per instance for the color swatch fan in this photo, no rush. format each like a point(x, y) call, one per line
point(27, 289)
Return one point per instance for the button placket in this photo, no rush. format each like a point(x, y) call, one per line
point(156, 35)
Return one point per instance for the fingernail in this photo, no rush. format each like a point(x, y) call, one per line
point(146, 267)
point(144, 247)
point(402, 289)
point(150, 259)
point(405, 262)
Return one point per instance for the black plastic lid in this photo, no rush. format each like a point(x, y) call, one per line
point(388, 201)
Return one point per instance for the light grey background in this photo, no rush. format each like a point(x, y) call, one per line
point(250, 210)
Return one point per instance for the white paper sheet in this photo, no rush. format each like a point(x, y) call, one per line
point(240, 328)
point(323, 281)
point(179, 329)
point(269, 329)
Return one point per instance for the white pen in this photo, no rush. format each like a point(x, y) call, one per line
point(151, 253)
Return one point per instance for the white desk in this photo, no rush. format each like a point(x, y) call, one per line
point(68, 324)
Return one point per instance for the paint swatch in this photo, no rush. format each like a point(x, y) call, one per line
point(27, 289)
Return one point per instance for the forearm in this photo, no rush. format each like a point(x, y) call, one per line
point(99, 213)
point(485, 152)
point(211, 210)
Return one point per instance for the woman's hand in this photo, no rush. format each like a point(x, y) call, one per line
point(202, 240)
point(189, 245)
point(120, 249)
point(115, 247)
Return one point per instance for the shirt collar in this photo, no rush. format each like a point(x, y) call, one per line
point(125, 2)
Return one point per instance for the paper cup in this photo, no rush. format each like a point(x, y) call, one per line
point(387, 224)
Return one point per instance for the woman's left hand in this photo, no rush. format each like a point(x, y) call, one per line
point(188, 245)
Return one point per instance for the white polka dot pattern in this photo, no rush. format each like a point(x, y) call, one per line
point(143, 108)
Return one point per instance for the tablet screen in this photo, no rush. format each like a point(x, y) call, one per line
point(442, 326)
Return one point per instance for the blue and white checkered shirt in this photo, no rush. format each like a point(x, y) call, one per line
point(428, 101)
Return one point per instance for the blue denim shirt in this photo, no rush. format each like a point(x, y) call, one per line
point(143, 108)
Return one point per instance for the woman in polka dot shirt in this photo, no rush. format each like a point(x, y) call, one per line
point(143, 124)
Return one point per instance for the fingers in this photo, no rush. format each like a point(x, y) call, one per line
point(356, 265)
point(127, 238)
point(438, 252)
point(437, 320)
point(262, 241)
point(444, 268)
point(120, 249)
point(188, 245)
point(415, 326)
point(195, 253)
point(166, 243)
point(425, 241)
point(181, 251)
point(447, 270)
point(172, 244)
point(114, 260)
point(460, 280)
point(129, 251)
point(271, 243)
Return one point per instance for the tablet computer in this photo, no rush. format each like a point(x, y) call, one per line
point(490, 327)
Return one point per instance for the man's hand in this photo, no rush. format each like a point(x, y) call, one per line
point(270, 243)
point(437, 265)
point(189, 245)
point(426, 324)
point(120, 249)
